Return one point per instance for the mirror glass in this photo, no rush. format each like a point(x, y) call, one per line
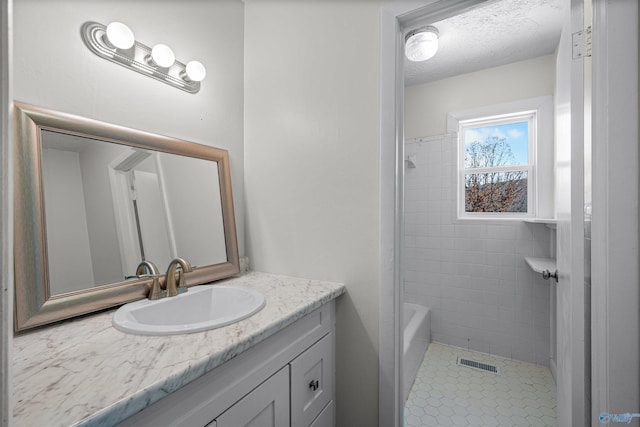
point(109, 206)
point(93, 200)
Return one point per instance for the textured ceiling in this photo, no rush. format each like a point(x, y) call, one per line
point(497, 33)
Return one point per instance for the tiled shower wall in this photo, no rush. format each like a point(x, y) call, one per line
point(472, 275)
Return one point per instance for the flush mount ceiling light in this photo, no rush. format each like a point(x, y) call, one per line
point(421, 44)
point(116, 43)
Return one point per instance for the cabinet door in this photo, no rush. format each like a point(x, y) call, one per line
point(266, 406)
point(311, 382)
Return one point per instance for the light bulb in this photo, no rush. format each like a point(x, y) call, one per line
point(421, 44)
point(195, 71)
point(120, 36)
point(162, 56)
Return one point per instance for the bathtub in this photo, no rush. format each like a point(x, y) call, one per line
point(417, 334)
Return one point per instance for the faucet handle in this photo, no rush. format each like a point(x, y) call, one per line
point(156, 292)
point(170, 284)
point(182, 283)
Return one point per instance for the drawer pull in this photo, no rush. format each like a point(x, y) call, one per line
point(314, 385)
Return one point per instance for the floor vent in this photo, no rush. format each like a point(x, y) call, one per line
point(473, 364)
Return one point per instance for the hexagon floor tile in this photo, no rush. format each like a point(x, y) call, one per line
point(445, 394)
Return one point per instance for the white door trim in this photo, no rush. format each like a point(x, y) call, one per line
point(6, 211)
point(615, 339)
point(572, 363)
point(396, 18)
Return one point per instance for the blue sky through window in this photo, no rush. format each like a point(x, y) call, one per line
point(516, 135)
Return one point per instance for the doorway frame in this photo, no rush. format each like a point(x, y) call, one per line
point(615, 276)
point(6, 212)
point(612, 120)
point(396, 19)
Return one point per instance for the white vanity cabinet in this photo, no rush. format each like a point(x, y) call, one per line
point(266, 406)
point(294, 396)
point(312, 382)
point(285, 380)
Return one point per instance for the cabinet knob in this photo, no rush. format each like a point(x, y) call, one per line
point(314, 385)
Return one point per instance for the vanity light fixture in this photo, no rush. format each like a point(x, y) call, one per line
point(195, 71)
point(421, 44)
point(116, 43)
point(119, 36)
point(161, 56)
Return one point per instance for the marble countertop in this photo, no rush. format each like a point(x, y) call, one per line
point(85, 372)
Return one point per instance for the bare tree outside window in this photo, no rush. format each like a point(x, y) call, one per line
point(501, 190)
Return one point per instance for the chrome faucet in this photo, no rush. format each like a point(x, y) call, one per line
point(170, 280)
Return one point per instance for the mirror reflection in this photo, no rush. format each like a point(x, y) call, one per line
point(110, 206)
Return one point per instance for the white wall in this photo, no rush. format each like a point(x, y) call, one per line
point(196, 221)
point(427, 105)
point(54, 69)
point(103, 235)
point(67, 241)
point(312, 168)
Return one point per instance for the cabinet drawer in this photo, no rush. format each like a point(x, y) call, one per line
point(325, 419)
point(312, 382)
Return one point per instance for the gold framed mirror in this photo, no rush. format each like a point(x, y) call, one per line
point(92, 200)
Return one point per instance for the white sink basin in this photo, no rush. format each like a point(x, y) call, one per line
point(201, 308)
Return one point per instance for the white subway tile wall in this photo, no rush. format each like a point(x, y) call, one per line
point(473, 276)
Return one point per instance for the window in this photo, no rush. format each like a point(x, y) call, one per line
point(496, 165)
point(505, 160)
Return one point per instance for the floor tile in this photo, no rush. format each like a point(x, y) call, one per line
point(446, 394)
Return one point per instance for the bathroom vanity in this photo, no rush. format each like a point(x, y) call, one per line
point(276, 365)
point(273, 368)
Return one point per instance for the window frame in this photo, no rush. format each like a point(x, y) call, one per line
point(540, 201)
point(531, 117)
